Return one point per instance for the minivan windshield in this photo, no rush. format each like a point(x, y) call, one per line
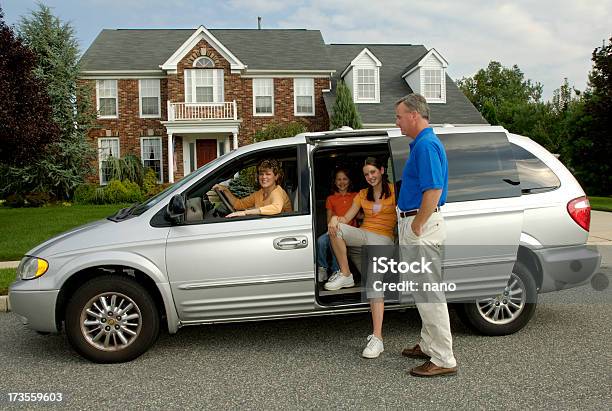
point(138, 209)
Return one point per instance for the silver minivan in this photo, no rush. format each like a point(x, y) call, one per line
point(175, 260)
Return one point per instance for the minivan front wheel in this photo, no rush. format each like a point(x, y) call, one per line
point(111, 319)
point(507, 312)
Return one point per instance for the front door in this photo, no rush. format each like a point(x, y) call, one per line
point(206, 151)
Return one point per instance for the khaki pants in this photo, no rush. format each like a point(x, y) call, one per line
point(436, 339)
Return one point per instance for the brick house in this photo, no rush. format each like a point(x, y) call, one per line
point(199, 93)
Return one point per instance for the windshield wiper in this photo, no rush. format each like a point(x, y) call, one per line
point(123, 213)
point(537, 189)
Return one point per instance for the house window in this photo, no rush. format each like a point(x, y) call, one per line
point(150, 105)
point(203, 86)
point(432, 85)
point(303, 90)
point(366, 84)
point(108, 148)
point(263, 96)
point(151, 155)
point(106, 92)
point(204, 62)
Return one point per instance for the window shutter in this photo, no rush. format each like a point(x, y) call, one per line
point(218, 86)
point(188, 85)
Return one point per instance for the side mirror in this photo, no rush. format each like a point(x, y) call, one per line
point(175, 210)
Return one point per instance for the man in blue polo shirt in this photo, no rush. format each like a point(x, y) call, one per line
point(422, 231)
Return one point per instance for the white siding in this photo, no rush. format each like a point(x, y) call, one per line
point(366, 62)
point(348, 79)
point(414, 81)
point(430, 63)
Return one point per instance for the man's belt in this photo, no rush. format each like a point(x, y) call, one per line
point(410, 213)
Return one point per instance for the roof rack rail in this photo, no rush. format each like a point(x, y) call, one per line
point(349, 134)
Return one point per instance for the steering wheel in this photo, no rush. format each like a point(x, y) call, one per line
point(225, 200)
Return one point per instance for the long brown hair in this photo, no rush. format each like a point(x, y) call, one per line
point(386, 191)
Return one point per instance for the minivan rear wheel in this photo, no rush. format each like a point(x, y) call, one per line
point(507, 312)
point(111, 319)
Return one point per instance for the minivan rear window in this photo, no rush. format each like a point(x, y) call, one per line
point(535, 176)
point(480, 165)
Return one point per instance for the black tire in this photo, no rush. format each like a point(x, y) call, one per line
point(145, 327)
point(470, 313)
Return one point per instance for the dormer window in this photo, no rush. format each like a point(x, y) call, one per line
point(366, 84)
point(362, 76)
point(432, 84)
point(204, 62)
point(427, 76)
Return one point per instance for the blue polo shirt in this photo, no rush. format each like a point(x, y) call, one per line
point(425, 169)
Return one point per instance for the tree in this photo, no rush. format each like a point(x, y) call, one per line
point(68, 161)
point(344, 111)
point(504, 97)
point(591, 143)
point(279, 130)
point(26, 124)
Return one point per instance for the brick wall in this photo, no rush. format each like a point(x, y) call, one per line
point(129, 127)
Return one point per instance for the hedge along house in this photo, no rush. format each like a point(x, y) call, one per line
point(197, 94)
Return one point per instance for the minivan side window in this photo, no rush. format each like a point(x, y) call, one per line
point(480, 167)
point(204, 205)
point(535, 176)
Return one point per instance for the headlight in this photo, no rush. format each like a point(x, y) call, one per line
point(32, 267)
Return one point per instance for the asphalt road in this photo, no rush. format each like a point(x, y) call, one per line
point(562, 359)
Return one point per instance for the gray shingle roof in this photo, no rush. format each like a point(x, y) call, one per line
point(395, 58)
point(146, 49)
point(280, 49)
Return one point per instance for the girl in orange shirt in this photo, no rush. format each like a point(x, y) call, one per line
point(380, 219)
point(337, 204)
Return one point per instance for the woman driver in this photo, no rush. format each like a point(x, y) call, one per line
point(270, 199)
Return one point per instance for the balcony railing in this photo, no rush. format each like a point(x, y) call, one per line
point(202, 111)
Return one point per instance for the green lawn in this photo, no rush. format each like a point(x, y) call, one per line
point(7, 276)
point(601, 203)
point(23, 228)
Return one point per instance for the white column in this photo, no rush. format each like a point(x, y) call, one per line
point(170, 159)
point(235, 135)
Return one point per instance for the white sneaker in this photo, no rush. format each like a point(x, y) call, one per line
point(321, 274)
point(338, 281)
point(374, 347)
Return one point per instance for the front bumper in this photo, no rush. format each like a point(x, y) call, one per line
point(567, 267)
point(37, 308)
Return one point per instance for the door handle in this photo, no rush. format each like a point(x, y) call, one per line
point(290, 243)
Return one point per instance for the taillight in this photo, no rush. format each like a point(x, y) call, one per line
point(580, 211)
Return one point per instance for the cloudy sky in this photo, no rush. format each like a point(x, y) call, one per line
point(547, 39)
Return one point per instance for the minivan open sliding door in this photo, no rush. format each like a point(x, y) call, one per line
point(483, 211)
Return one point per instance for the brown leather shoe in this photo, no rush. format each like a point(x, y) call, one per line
point(414, 352)
point(429, 369)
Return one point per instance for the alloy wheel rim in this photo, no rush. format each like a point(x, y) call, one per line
point(507, 306)
point(111, 321)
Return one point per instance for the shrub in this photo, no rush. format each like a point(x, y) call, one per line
point(85, 194)
point(279, 130)
point(15, 200)
point(115, 192)
point(37, 199)
point(134, 195)
point(99, 196)
point(149, 183)
point(126, 168)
